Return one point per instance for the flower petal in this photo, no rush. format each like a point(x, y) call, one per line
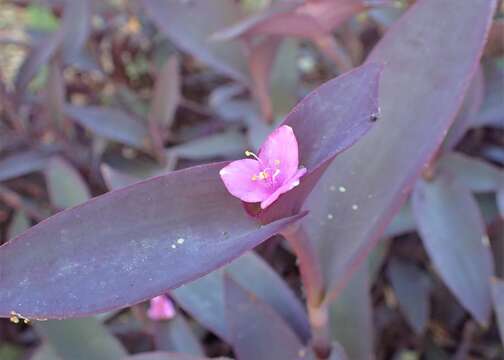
point(161, 308)
point(280, 150)
point(287, 186)
point(237, 177)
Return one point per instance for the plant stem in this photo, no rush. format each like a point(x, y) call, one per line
point(312, 278)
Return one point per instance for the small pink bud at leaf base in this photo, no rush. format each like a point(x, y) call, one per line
point(161, 308)
point(264, 177)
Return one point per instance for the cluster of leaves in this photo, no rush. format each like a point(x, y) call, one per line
point(402, 218)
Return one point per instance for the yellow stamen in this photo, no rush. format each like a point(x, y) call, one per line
point(250, 153)
point(16, 318)
point(277, 162)
point(254, 178)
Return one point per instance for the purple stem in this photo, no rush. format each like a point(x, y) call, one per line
point(313, 281)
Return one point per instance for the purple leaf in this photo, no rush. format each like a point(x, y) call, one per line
point(498, 301)
point(467, 113)
point(115, 179)
point(351, 318)
point(204, 298)
point(86, 260)
point(261, 59)
point(177, 335)
point(296, 18)
point(65, 185)
point(492, 109)
point(220, 145)
point(23, 163)
point(244, 26)
point(285, 78)
point(110, 123)
point(412, 288)
point(500, 201)
point(421, 51)
point(344, 109)
point(76, 27)
point(160, 355)
point(190, 24)
point(453, 233)
point(69, 38)
point(55, 94)
point(402, 223)
point(258, 332)
point(166, 94)
point(39, 55)
point(477, 175)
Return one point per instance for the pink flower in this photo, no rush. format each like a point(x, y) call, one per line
point(265, 177)
point(161, 308)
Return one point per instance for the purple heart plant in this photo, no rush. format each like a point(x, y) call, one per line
point(367, 156)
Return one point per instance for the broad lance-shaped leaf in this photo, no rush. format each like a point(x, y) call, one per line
point(65, 185)
point(220, 145)
point(80, 339)
point(190, 24)
point(204, 298)
point(39, 55)
point(492, 109)
point(297, 18)
point(498, 301)
point(257, 331)
point(467, 112)
point(76, 27)
point(500, 201)
point(86, 259)
point(166, 94)
point(70, 38)
point(344, 109)
point(23, 163)
point(420, 52)
point(412, 289)
point(176, 335)
point(453, 233)
point(161, 355)
point(351, 317)
point(476, 174)
point(112, 124)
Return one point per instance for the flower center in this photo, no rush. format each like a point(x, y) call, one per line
point(267, 173)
